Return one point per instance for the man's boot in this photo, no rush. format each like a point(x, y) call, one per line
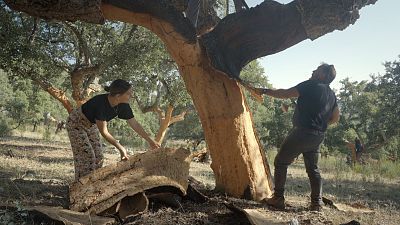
point(277, 202)
point(316, 205)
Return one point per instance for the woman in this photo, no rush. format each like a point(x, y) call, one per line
point(85, 123)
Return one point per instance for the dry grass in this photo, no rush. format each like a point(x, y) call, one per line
point(37, 172)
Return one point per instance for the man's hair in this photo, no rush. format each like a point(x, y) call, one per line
point(329, 72)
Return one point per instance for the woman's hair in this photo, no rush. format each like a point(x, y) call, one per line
point(329, 71)
point(118, 86)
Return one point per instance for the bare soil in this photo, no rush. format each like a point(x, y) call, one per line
point(36, 172)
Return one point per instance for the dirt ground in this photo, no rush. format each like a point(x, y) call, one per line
point(36, 172)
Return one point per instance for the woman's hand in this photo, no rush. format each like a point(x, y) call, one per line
point(124, 156)
point(154, 145)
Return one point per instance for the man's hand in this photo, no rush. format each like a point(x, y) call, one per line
point(261, 91)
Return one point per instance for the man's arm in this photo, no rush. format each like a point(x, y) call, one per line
point(280, 93)
point(335, 116)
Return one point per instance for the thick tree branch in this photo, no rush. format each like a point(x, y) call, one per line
point(169, 11)
point(240, 5)
point(178, 118)
point(32, 36)
point(55, 92)
point(77, 81)
point(64, 10)
point(67, 10)
point(162, 10)
point(272, 27)
point(249, 34)
point(322, 17)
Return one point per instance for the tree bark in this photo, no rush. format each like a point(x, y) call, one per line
point(80, 93)
point(165, 121)
point(104, 187)
point(165, 118)
point(238, 160)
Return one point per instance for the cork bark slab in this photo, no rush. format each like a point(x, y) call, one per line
point(107, 186)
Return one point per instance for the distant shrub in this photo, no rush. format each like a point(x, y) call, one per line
point(5, 129)
point(389, 169)
point(47, 134)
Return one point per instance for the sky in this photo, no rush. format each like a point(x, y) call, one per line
point(357, 52)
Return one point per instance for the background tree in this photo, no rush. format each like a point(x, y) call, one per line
point(68, 59)
point(369, 111)
point(162, 91)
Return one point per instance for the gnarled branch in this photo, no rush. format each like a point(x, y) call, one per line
point(179, 117)
point(272, 27)
point(64, 10)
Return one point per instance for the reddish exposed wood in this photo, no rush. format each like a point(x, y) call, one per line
point(56, 93)
point(165, 118)
point(200, 156)
point(352, 148)
point(165, 121)
point(237, 158)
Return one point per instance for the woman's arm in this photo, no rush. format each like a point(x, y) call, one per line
point(139, 130)
point(102, 125)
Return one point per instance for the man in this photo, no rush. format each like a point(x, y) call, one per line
point(316, 108)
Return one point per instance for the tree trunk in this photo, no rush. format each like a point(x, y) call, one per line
point(56, 93)
point(164, 123)
point(80, 93)
point(166, 119)
point(352, 148)
point(238, 160)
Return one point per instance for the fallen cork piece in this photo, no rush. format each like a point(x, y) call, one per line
point(355, 207)
point(257, 216)
point(106, 187)
point(51, 215)
point(200, 156)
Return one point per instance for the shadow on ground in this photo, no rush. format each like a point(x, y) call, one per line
point(32, 191)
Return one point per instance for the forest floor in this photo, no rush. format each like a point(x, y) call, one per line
point(37, 172)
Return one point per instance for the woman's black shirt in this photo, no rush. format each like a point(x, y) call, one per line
point(99, 108)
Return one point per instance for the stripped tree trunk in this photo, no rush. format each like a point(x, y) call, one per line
point(166, 120)
point(56, 93)
point(238, 161)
